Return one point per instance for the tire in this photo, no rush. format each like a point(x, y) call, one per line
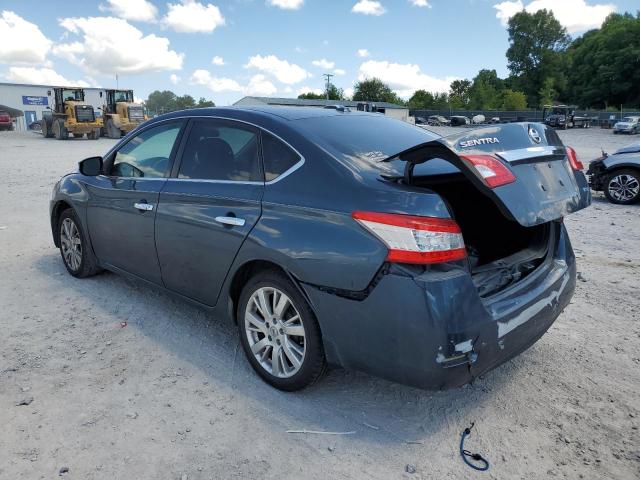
point(82, 263)
point(59, 130)
point(112, 130)
point(623, 186)
point(297, 360)
point(94, 134)
point(46, 129)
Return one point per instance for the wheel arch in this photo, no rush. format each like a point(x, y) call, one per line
point(56, 211)
point(247, 270)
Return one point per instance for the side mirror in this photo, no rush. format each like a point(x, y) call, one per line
point(91, 166)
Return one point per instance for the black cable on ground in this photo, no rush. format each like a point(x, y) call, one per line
point(481, 463)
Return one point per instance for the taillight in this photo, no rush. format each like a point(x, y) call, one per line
point(493, 171)
point(413, 239)
point(573, 159)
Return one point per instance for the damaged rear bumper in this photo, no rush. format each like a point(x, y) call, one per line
point(434, 331)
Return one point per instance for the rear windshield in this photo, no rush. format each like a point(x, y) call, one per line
point(365, 137)
point(363, 141)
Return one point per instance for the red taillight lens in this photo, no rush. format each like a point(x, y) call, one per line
point(493, 172)
point(573, 159)
point(413, 239)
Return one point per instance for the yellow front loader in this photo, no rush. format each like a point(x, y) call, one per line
point(71, 115)
point(120, 113)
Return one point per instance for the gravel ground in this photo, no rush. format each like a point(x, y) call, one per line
point(120, 381)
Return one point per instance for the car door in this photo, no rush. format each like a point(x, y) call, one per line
point(122, 203)
point(209, 206)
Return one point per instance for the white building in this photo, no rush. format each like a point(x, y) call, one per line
point(390, 109)
point(33, 100)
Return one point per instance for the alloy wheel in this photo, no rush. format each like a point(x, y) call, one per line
point(275, 332)
point(71, 244)
point(624, 187)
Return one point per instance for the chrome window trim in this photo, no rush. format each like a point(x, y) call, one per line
point(283, 175)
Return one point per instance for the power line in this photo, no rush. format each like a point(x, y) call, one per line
point(328, 77)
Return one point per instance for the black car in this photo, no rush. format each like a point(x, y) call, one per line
point(617, 175)
point(337, 238)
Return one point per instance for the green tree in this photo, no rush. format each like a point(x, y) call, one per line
point(537, 45)
point(605, 64)
point(486, 91)
point(375, 90)
point(203, 103)
point(330, 93)
point(161, 101)
point(513, 100)
point(459, 92)
point(184, 102)
point(547, 93)
point(421, 100)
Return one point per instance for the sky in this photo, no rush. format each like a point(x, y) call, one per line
point(225, 49)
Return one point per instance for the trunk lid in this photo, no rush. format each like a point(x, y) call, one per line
point(546, 187)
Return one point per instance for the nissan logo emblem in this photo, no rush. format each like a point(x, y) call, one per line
point(534, 135)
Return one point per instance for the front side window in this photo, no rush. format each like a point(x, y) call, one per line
point(147, 154)
point(278, 157)
point(221, 150)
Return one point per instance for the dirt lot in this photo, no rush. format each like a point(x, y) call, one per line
point(169, 396)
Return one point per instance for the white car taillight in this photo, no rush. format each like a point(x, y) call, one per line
point(413, 239)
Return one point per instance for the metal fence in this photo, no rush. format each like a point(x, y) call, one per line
point(598, 117)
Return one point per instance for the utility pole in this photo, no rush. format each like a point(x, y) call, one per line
point(117, 85)
point(328, 77)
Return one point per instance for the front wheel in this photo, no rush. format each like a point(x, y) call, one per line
point(279, 332)
point(623, 187)
point(74, 247)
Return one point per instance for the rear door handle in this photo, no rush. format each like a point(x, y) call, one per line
point(143, 206)
point(233, 221)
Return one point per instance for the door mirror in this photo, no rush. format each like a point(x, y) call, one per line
point(91, 166)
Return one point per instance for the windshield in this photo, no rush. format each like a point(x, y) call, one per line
point(123, 96)
point(73, 95)
point(629, 119)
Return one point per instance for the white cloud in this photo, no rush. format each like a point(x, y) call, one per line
point(283, 71)
point(324, 63)
point(216, 84)
point(420, 3)
point(348, 92)
point(286, 4)
point(260, 86)
point(288, 89)
point(134, 10)
point(193, 17)
point(217, 61)
point(363, 52)
point(41, 76)
point(175, 79)
point(368, 7)
point(575, 15)
point(317, 91)
point(111, 45)
point(403, 78)
point(21, 41)
point(339, 71)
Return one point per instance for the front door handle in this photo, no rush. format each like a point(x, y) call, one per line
point(232, 221)
point(143, 206)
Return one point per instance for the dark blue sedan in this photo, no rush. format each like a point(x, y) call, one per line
point(337, 238)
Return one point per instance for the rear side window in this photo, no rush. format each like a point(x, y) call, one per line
point(278, 157)
point(147, 154)
point(221, 150)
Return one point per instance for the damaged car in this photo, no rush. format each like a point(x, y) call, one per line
point(337, 238)
point(617, 175)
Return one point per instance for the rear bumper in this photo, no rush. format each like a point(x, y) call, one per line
point(433, 330)
point(83, 127)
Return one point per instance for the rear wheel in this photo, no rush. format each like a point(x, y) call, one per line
point(623, 187)
point(74, 247)
point(94, 134)
point(279, 332)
